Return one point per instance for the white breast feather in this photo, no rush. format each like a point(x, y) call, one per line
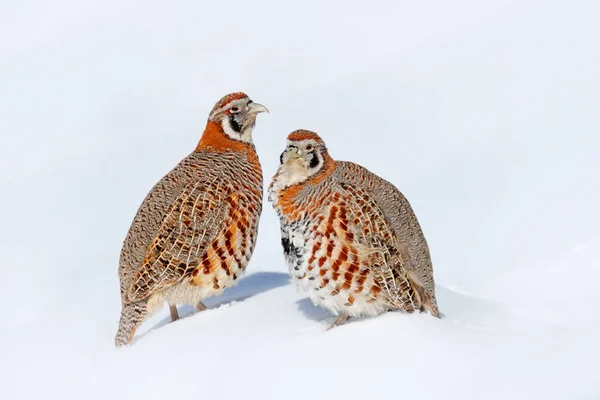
point(287, 175)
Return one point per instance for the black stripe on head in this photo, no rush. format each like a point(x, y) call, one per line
point(234, 124)
point(314, 161)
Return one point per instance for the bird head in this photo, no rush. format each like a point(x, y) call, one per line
point(305, 155)
point(236, 114)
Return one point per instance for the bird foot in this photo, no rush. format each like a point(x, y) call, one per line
point(200, 306)
point(339, 321)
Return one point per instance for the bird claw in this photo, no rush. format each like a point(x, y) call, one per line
point(339, 321)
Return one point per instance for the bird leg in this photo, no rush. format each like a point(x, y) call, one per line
point(339, 321)
point(175, 315)
point(173, 311)
point(200, 306)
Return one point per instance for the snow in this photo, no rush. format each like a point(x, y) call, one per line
point(485, 114)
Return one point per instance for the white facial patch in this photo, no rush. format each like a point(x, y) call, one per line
point(247, 125)
point(244, 136)
point(227, 128)
point(288, 174)
point(292, 172)
point(295, 169)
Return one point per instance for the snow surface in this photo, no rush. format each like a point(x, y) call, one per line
point(485, 114)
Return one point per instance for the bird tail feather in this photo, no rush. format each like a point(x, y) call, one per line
point(132, 315)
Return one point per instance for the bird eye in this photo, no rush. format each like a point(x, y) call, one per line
point(235, 109)
point(309, 148)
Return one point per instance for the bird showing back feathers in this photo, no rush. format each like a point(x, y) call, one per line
point(195, 231)
point(350, 238)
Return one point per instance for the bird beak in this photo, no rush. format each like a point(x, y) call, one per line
point(255, 108)
point(293, 153)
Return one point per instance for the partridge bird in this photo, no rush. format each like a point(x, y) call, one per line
point(194, 234)
point(350, 238)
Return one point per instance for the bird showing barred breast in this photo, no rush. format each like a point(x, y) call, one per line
point(195, 232)
point(350, 238)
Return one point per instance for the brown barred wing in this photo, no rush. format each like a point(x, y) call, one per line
point(229, 252)
point(387, 257)
point(402, 218)
point(193, 221)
